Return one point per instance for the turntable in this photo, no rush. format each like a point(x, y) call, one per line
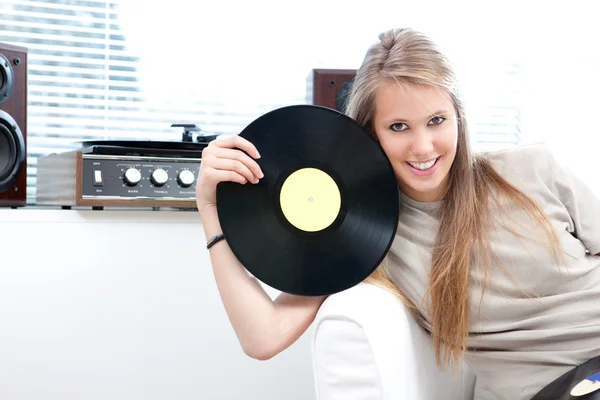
point(123, 173)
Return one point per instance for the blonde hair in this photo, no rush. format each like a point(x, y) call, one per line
point(407, 56)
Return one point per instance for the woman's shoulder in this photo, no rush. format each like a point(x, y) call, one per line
point(524, 162)
point(528, 154)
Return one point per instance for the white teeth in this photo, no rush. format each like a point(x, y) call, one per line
point(423, 166)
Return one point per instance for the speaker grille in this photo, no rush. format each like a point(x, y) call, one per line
point(12, 151)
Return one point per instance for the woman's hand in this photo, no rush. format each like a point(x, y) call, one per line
point(227, 159)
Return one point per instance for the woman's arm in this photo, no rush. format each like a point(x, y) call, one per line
point(263, 327)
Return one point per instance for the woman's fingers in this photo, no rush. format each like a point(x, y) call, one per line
point(233, 165)
point(236, 141)
point(241, 157)
point(230, 159)
point(220, 175)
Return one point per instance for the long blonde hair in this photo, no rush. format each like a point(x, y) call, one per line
point(407, 56)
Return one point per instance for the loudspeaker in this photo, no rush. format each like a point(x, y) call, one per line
point(330, 87)
point(13, 125)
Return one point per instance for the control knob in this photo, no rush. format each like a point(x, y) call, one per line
point(159, 177)
point(185, 178)
point(132, 176)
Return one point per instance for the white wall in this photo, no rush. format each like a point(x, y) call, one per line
point(560, 86)
point(560, 107)
point(123, 305)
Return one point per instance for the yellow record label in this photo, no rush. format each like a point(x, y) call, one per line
point(310, 199)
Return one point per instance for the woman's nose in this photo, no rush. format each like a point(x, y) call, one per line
point(422, 144)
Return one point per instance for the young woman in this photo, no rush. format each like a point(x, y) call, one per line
point(497, 254)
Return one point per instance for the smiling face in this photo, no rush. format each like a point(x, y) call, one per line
point(417, 128)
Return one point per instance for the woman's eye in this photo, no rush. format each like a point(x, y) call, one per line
point(436, 120)
point(398, 127)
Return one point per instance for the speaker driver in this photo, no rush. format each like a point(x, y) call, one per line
point(6, 78)
point(12, 151)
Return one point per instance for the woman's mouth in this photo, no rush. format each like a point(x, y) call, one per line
point(423, 167)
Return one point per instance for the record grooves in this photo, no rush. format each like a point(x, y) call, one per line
point(324, 215)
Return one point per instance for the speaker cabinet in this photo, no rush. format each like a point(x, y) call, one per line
point(330, 87)
point(13, 126)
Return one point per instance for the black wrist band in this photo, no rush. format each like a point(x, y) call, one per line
point(211, 242)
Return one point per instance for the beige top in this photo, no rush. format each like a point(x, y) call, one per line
point(520, 343)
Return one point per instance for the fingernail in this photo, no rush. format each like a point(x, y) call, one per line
point(257, 154)
point(261, 174)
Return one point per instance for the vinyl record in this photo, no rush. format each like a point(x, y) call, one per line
point(324, 215)
point(578, 383)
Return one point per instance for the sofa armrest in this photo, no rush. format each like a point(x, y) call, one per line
point(366, 345)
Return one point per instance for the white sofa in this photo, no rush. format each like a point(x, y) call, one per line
point(367, 346)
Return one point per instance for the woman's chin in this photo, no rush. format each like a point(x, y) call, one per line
point(423, 191)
